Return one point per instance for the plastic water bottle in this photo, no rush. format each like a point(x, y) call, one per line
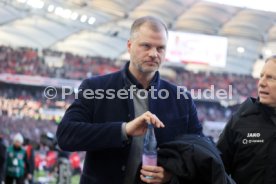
point(150, 152)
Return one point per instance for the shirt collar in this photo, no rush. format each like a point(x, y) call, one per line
point(131, 80)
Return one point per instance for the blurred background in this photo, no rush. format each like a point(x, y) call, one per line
point(213, 45)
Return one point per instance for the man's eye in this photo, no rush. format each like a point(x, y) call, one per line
point(161, 49)
point(272, 78)
point(146, 46)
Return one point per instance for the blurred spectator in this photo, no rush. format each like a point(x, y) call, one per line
point(75, 163)
point(17, 164)
point(51, 161)
point(63, 167)
point(30, 159)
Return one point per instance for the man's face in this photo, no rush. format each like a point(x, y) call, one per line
point(267, 84)
point(17, 144)
point(147, 50)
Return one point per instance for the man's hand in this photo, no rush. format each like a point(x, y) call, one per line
point(138, 126)
point(157, 174)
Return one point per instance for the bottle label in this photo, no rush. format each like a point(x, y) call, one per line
point(149, 160)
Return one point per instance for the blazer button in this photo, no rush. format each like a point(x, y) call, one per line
point(123, 168)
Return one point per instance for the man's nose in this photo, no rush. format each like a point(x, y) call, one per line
point(262, 82)
point(153, 52)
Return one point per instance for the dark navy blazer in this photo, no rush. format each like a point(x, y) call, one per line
point(93, 124)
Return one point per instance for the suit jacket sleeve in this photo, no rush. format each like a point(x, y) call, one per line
point(78, 132)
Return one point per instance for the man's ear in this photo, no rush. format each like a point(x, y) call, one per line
point(128, 45)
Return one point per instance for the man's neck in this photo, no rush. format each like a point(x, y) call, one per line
point(143, 78)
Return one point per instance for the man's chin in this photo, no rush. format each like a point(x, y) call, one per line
point(150, 69)
point(266, 102)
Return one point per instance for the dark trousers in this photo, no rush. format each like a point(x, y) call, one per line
point(10, 180)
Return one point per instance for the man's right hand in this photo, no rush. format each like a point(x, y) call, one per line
point(138, 126)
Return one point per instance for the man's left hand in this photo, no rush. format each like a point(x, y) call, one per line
point(154, 174)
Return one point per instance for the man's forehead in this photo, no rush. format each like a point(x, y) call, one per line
point(269, 67)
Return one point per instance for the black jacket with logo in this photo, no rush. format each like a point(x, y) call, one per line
point(248, 144)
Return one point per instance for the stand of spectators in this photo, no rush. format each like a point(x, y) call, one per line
point(55, 64)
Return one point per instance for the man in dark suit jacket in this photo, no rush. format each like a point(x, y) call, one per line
point(110, 115)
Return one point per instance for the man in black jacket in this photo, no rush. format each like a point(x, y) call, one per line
point(248, 142)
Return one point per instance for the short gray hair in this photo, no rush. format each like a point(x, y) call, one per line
point(273, 58)
point(154, 23)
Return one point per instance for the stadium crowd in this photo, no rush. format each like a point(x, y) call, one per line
point(47, 63)
point(55, 64)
